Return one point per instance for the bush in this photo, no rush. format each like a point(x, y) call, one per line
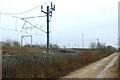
point(29, 62)
point(49, 66)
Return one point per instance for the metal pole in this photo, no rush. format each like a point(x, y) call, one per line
point(118, 26)
point(31, 40)
point(49, 13)
point(16, 23)
point(98, 42)
point(21, 40)
point(1, 51)
point(47, 29)
point(82, 41)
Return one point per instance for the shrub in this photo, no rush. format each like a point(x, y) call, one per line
point(49, 66)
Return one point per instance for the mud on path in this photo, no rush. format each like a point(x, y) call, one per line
point(104, 68)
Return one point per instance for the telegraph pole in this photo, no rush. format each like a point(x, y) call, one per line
point(48, 47)
point(49, 13)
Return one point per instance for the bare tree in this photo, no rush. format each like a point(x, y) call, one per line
point(101, 45)
point(9, 42)
point(16, 43)
point(92, 45)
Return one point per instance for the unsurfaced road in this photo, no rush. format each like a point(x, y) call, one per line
point(104, 68)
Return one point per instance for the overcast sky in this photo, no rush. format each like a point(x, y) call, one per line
point(94, 18)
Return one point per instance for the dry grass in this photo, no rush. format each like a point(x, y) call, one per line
point(22, 50)
point(47, 66)
point(119, 66)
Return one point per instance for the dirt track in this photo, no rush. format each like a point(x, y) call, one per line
point(104, 68)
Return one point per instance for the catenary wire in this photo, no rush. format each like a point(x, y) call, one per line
point(24, 11)
point(17, 31)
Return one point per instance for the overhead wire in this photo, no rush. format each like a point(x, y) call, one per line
point(28, 17)
point(31, 24)
point(34, 26)
point(43, 24)
point(21, 12)
point(25, 20)
point(17, 31)
point(22, 31)
point(24, 11)
point(34, 17)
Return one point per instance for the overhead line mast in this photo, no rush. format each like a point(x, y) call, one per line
point(49, 13)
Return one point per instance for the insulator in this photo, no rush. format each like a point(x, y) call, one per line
point(41, 7)
point(51, 12)
point(51, 4)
